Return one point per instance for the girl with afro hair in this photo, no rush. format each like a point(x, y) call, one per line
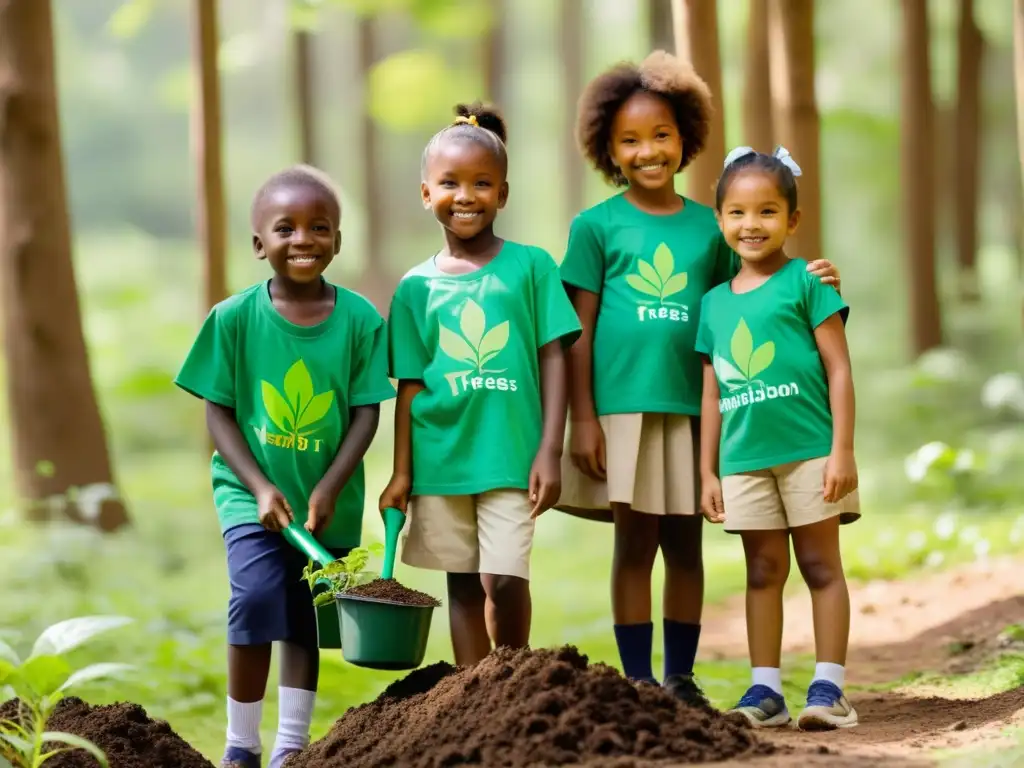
point(636, 267)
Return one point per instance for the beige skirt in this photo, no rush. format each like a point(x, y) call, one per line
point(651, 465)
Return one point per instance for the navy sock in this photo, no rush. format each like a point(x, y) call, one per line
point(635, 643)
point(680, 647)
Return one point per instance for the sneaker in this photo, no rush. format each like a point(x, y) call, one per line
point(239, 758)
point(827, 708)
point(280, 755)
point(763, 707)
point(685, 688)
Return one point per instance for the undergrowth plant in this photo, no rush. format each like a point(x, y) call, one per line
point(343, 574)
point(40, 682)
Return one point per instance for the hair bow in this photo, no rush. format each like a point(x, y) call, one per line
point(471, 120)
point(736, 154)
point(782, 155)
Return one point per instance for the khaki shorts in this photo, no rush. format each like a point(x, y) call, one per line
point(490, 532)
point(783, 497)
point(651, 465)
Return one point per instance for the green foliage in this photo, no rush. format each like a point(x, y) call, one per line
point(344, 574)
point(39, 683)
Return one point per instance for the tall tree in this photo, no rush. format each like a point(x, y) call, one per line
point(493, 55)
point(303, 52)
point(374, 283)
point(918, 161)
point(57, 436)
point(757, 87)
point(206, 148)
point(695, 28)
point(571, 35)
point(970, 48)
point(659, 25)
point(1018, 77)
point(795, 112)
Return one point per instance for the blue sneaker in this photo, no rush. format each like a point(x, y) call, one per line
point(763, 707)
point(827, 708)
point(239, 758)
point(278, 757)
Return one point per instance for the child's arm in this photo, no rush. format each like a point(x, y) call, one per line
point(710, 435)
point(586, 437)
point(227, 437)
point(841, 469)
point(546, 474)
point(397, 493)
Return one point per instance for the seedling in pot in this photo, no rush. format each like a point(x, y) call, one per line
point(39, 682)
point(344, 574)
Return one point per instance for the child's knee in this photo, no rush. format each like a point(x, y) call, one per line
point(765, 571)
point(503, 589)
point(681, 544)
point(818, 572)
point(636, 539)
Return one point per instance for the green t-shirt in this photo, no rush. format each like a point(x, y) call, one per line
point(773, 388)
point(291, 387)
point(472, 340)
point(651, 273)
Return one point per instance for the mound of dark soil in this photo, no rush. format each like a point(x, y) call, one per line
point(392, 591)
point(526, 708)
point(125, 733)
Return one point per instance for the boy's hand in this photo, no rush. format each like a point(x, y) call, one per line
point(545, 481)
point(826, 271)
point(711, 505)
point(840, 476)
point(321, 510)
point(275, 514)
point(397, 493)
point(586, 448)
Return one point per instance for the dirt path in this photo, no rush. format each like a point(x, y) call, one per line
point(948, 622)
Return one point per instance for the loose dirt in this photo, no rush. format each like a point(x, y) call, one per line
point(125, 733)
point(527, 708)
point(393, 592)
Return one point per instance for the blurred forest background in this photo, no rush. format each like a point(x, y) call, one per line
point(902, 114)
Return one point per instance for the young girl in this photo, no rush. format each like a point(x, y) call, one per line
point(478, 335)
point(778, 394)
point(636, 267)
point(293, 371)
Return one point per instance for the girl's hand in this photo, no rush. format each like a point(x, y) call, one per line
point(396, 494)
point(586, 448)
point(826, 271)
point(275, 514)
point(545, 481)
point(711, 505)
point(840, 476)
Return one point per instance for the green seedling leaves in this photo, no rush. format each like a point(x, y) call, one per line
point(74, 742)
point(65, 636)
point(40, 676)
point(102, 671)
point(299, 407)
point(8, 654)
point(476, 345)
point(343, 574)
point(656, 279)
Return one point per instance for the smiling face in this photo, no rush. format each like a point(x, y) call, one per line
point(755, 217)
point(464, 185)
point(646, 144)
point(297, 231)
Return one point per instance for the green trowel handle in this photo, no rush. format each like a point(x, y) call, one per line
point(394, 520)
point(303, 541)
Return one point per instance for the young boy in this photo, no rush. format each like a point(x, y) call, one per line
point(293, 371)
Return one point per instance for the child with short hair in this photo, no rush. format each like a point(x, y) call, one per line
point(478, 335)
point(636, 267)
point(293, 371)
point(778, 413)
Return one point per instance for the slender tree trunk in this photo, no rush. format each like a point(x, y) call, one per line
point(374, 284)
point(1018, 77)
point(57, 434)
point(757, 86)
point(659, 25)
point(695, 27)
point(571, 30)
point(918, 160)
point(493, 56)
point(303, 52)
point(970, 48)
point(206, 132)
point(795, 115)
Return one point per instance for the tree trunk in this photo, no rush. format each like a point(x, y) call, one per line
point(970, 47)
point(571, 43)
point(493, 56)
point(659, 25)
point(918, 161)
point(304, 66)
point(62, 466)
point(695, 27)
point(795, 114)
point(1018, 77)
point(207, 152)
point(757, 86)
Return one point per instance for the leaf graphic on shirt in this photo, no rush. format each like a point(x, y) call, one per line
point(742, 346)
point(319, 406)
point(674, 285)
point(298, 387)
point(747, 362)
point(472, 322)
point(476, 345)
point(637, 283)
point(728, 375)
point(277, 407)
point(456, 347)
point(656, 279)
point(761, 359)
point(299, 407)
point(493, 342)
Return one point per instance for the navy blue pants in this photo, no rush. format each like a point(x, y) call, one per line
point(270, 601)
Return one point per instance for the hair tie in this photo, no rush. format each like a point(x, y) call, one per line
point(471, 120)
point(782, 155)
point(736, 154)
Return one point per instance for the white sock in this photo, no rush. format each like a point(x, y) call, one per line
point(770, 676)
point(244, 725)
point(834, 673)
point(295, 714)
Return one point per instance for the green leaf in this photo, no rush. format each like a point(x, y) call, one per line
point(103, 670)
point(322, 599)
point(20, 744)
point(472, 323)
point(648, 273)
point(494, 341)
point(7, 653)
point(742, 345)
point(455, 346)
point(77, 742)
point(130, 18)
point(4, 763)
point(318, 407)
point(728, 375)
point(65, 636)
point(39, 676)
point(637, 283)
point(762, 358)
point(277, 407)
point(6, 669)
point(298, 387)
point(675, 284)
point(664, 263)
